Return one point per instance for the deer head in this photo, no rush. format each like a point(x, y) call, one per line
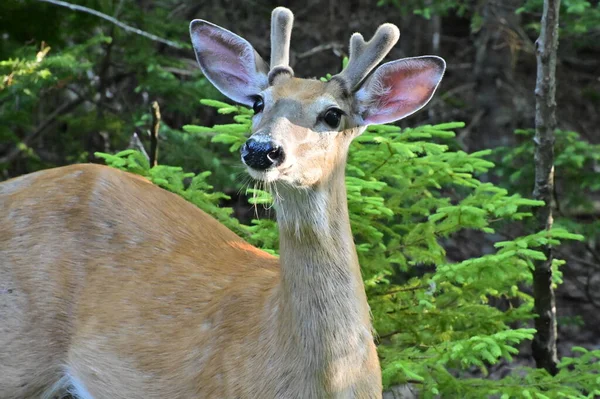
point(302, 128)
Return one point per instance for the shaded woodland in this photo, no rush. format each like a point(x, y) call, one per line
point(73, 85)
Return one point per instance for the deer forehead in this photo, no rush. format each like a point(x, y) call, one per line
point(308, 92)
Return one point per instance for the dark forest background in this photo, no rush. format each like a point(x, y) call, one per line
point(73, 84)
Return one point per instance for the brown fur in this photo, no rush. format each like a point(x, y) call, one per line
point(139, 294)
point(127, 291)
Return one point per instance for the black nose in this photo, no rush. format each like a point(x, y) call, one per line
point(261, 155)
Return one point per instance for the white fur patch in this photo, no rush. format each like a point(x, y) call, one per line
point(15, 184)
point(206, 326)
point(68, 384)
point(307, 208)
point(77, 388)
point(59, 388)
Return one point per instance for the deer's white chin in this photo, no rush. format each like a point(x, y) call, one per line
point(267, 176)
point(284, 174)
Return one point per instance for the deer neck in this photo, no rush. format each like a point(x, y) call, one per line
point(323, 302)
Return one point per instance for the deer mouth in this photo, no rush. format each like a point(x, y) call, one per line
point(271, 175)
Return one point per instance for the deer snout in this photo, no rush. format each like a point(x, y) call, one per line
point(260, 152)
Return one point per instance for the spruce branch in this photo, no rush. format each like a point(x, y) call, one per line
point(544, 342)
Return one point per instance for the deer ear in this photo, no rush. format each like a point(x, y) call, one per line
point(399, 88)
point(229, 62)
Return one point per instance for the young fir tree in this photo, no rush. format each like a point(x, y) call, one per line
point(407, 193)
point(72, 83)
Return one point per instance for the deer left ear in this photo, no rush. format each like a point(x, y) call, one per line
point(398, 89)
point(229, 62)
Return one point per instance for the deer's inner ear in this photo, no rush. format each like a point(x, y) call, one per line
point(229, 62)
point(399, 88)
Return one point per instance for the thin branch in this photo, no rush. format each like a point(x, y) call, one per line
point(336, 47)
point(75, 91)
point(136, 144)
point(118, 9)
point(589, 290)
point(63, 109)
point(179, 71)
point(398, 290)
point(385, 161)
point(593, 252)
point(115, 21)
point(388, 335)
point(577, 259)
point(458, 89)
point(154, 134)
point(544, 341)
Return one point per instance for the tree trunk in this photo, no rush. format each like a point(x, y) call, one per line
point(544, 342)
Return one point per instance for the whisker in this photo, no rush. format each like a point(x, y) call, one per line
point(277, 196)
point(254, 205)
point(271, 187)
point(244, 184)
point(266, 188)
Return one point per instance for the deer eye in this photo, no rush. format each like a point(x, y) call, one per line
point(333, 116)
point(259, 105)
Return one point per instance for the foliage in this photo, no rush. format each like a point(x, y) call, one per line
point(440, 321)
point(91, 91)
point(32, 74)
point(577, 17)
point(576, 177)
point(427, 8)
point(446, 321)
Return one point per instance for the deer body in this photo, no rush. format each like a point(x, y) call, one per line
point(113, 288)
point(129, 288)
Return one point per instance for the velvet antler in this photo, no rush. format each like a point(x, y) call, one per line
point(282, 20)
point(364, 56)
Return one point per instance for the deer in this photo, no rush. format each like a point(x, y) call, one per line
point(111, 287)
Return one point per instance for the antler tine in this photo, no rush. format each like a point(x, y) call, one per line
point(364, 56)
point(282, 20)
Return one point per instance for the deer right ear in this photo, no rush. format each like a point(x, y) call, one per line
point(399, 88)
point(229, 62)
